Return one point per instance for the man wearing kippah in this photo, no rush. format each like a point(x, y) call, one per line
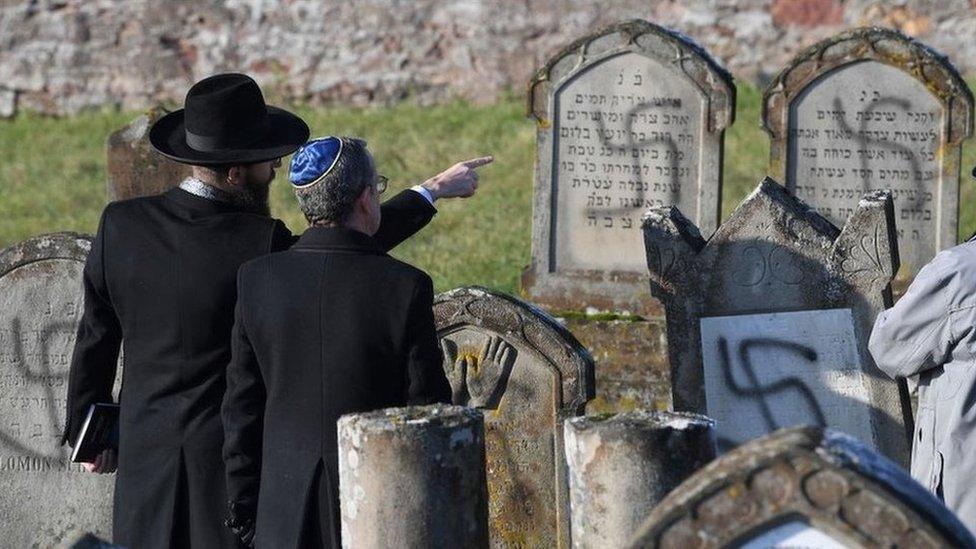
point(161, 279)
point(330, 327)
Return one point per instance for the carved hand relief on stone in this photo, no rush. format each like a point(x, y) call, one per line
point(46, 497)
point(512, 359)
point(801, 487)
point(630, 117)
point(763, 372)
point(478, 367)
point(867, 110)
point(768, 324)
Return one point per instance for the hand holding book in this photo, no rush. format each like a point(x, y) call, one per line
point(98, 441)
point(105, 462)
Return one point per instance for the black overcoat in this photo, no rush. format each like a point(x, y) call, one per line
point(330, 327)
point(161, 278)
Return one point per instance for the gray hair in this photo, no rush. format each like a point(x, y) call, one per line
point(331, 200)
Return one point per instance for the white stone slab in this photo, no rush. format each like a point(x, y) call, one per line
point(767, 371)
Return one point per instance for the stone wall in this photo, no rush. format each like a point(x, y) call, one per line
point(61, 56)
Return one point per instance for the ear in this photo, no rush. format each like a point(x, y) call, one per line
point(236, 175)
point(364, 201)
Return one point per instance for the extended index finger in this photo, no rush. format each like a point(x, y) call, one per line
point(478, 162)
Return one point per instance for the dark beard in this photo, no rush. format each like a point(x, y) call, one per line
point(253, 198)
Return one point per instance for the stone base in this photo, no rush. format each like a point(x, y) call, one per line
point(632, 370)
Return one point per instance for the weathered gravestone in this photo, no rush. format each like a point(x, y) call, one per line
point(801, 487)
point(134, 167)
point(46, 499)
point(629, 117)
point(768, 322)
point(872, 109)
point(529, 374)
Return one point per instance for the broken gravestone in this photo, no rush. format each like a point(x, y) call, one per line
point(46, 498)
point(134, 167)
point(529, 375)
point(629, 117)
point(768, 322)
point(872, 109)
point(801, 487)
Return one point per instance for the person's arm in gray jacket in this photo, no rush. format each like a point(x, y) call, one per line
point(922, 329)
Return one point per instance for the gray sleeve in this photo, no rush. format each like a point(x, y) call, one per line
point(917, 333)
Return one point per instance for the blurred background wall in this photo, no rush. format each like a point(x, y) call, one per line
point(62, 56)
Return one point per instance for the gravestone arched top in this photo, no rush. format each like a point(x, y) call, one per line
point(519, 321)
point(863, 257)
point(667, 46)
point(883, 45)
point(811, 486)
point(64, 245)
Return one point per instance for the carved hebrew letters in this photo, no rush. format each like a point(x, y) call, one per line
point(46, 497)
point(629, 118)
point(871, 109)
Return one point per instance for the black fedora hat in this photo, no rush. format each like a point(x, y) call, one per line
point(225, 121)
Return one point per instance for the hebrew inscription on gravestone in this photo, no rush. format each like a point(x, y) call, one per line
point(528, 374)
point(873, 109)
point(770, 319)
point(801, 487)
point(628, 118)
point(46, 498)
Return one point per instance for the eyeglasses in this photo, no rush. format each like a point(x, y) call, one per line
point(381, 181)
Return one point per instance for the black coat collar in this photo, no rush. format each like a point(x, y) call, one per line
point(338, 239)
point(200, 204)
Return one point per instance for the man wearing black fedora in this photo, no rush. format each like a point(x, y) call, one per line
point(161, 280)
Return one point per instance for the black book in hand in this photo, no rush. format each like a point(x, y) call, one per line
point(99, 432)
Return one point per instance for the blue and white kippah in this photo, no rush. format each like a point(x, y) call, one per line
point(313, 161)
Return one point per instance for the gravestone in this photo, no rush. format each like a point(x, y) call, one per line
point(768, 322)
point(529, 375)
point(134, 167)
point(629, 117)
point(46, 499)
point(801, 487)
point(872, 109)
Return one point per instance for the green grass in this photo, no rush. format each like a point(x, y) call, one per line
point(52, 177)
